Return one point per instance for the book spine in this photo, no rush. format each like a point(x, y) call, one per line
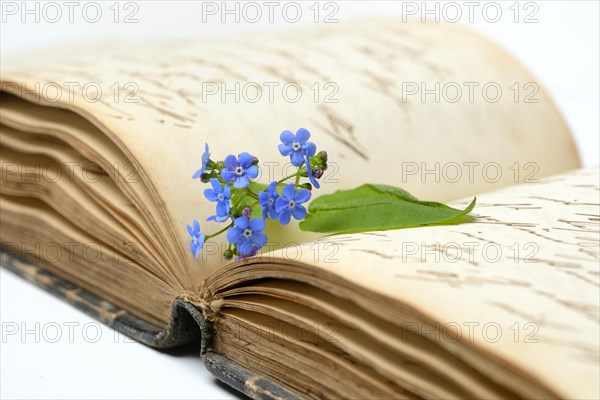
point(186, 325)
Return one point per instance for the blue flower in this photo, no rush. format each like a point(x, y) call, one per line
point(297, 146)
point(290, 203)
point(238, 258)
point(239, 170)
point(197, 238)
point(247, 235)
point(267, 201)
point(220, 194)
point(311, 177)
point(205, 158)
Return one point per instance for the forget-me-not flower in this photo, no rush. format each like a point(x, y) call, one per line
point(239, 170)
point(267, 201)
point(205, 158)
point(197, 238)
point(297, 146)
point(247, 235)
point(311, 177)
point(289, 203)
point(221, 194)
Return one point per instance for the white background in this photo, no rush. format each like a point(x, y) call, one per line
point(561, 48)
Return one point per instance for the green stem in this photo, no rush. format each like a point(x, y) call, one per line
point(286, 178)
point(251, 193)
point(218, 233)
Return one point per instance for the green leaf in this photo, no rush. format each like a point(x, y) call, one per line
point(257, 186)
point(375, 208)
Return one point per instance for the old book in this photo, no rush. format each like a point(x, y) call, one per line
point(99, 144)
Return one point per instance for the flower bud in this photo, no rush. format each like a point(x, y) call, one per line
point(323, 155)
point(247, 211)
point(307, 186)
point(318, 173)
point(205, 177)
point(228, 254)
point(254, 160)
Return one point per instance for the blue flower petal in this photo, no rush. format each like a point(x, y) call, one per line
point(260, 239)
point(241, 222)
point(216, 185)
point(196, 226)
point(274, 213)
point(314, 181)
point(299, 212)
point(228, 175)
point(302, 135)
point(287, 137)
point(263, 198)
point(280, 204)
point(297, 158)
point(309, 149)
point(234, 235)
point(245, 247)
point(257, 225)
point(198, 173)
point(240, 182)
point(271, 188)
point(230, 162)
point(222, 209)
point(190, 230)
point(311, 178)
point(210, 195)
point(285, 149)
point(288, 192)
point(217, 218)
point(245, 160)
point(284, 217)
point(302, 196)
point(205, 155)
point(252, 172)
point(227, 192)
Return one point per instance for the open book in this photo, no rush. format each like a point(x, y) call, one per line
point(99, 143)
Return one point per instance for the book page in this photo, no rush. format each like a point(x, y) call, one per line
point(353, 86)
point(520, 284)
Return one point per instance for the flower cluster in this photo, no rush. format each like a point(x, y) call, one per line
point(246, 204)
